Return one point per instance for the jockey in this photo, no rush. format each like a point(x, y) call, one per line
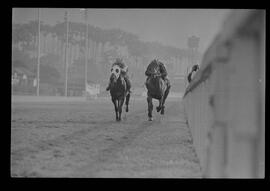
point(161, 69)
point(124, 71)
point(194, 69)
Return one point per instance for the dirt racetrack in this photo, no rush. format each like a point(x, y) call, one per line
point(82, 139)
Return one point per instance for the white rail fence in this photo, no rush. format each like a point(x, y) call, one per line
point(225, 102)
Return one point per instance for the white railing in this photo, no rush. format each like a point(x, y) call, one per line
point(225, 101)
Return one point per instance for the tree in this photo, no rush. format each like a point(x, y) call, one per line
point(19, 64)
point(49, 74)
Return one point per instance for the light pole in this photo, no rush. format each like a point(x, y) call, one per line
point(66, 54)
point(38, 63)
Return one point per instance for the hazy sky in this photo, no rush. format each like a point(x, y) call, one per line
point(168, 26)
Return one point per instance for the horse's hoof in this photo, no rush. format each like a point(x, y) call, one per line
point(162, 112)
point(150, 119)
point(158, 109)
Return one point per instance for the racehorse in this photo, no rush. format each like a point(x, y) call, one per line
point(157, 89)
point(118, 91)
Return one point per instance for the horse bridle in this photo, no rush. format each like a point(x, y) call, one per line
point(116, 70)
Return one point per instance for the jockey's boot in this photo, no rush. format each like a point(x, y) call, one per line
point(109, 87)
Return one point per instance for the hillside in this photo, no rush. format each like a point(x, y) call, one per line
point(104, 46)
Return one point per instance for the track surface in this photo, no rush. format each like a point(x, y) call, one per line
point(82, 139)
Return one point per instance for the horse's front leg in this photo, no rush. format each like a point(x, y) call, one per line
point(164, 99)
point(115, 108)
point(120, 105)
point(166, 94)
point(159, 107)
point(150, 108)
point(162, 107)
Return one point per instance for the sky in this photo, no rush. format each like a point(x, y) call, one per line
point(168, 26)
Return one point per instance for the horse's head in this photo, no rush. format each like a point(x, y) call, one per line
point(115, 73)
point(155, 83)
point(153, 69)
point(155, 73)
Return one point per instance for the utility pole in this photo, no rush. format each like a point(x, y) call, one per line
point(38, 63)
point(86, 49)
point(66, 54)
point(12, 64)
point(193, 44)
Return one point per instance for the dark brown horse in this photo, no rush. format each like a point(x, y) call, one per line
point(118, 91)
point(157, 89)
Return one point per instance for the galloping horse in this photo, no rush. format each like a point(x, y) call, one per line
point(118, 91)
point(157, 89)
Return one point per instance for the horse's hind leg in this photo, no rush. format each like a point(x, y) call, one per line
point(127, 101)
point(150, 108)
point(162, 110)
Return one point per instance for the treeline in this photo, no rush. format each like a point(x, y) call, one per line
point(104, 46)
